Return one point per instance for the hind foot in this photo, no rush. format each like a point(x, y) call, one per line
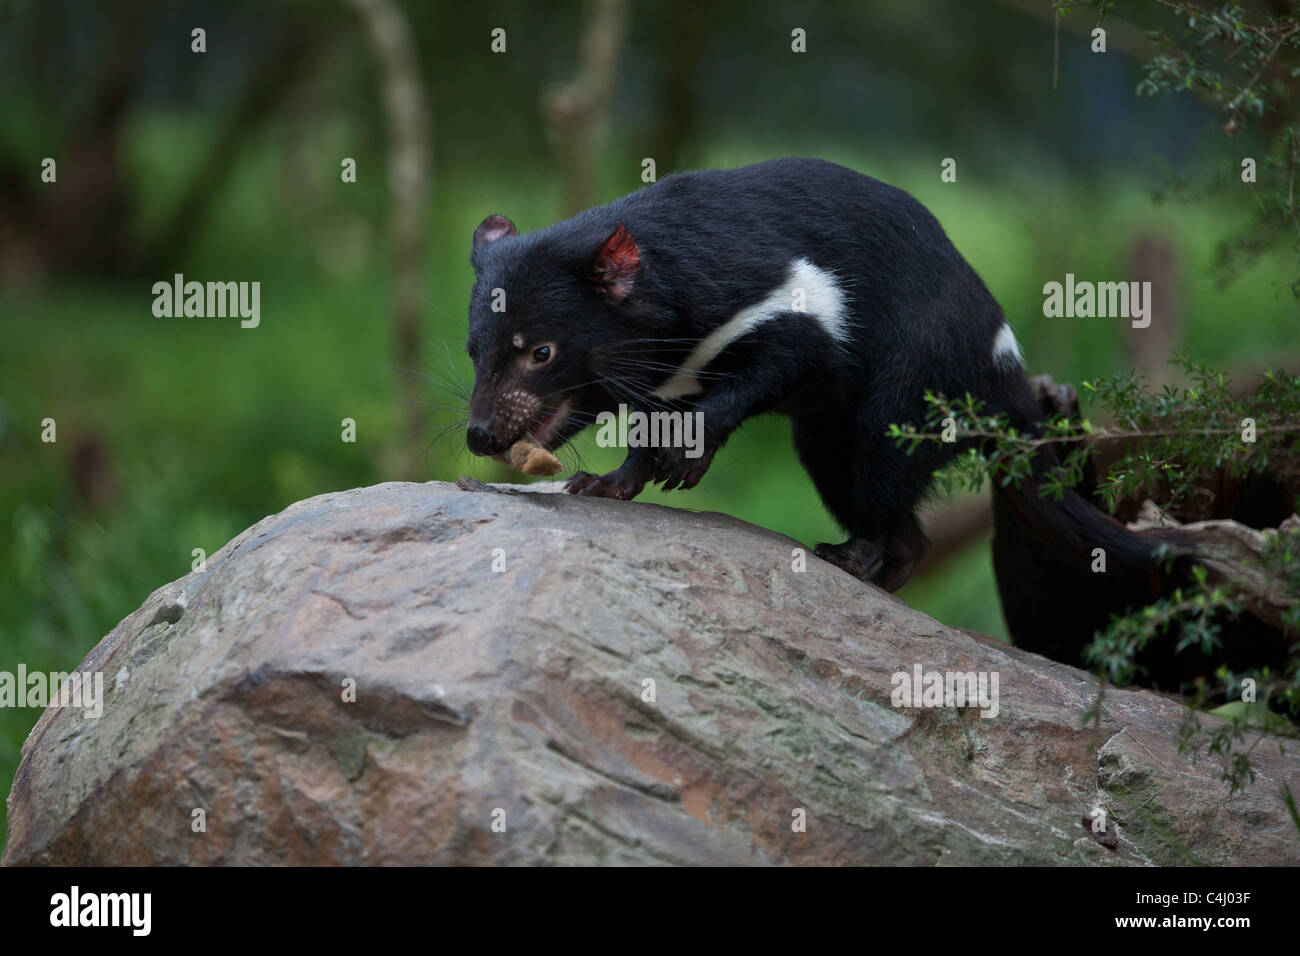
point(857, 556)
point(904, 549)
point(887, 560)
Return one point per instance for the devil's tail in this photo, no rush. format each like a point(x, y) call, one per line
point(1073, 527)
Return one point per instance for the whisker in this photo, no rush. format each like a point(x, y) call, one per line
point(424, 404)
point(427, 376)
point(446, 314)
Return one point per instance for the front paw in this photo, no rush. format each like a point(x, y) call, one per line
point(616, 484)
point(676, 470)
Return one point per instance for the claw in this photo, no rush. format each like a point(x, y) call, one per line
point(886, 560)
point(579, 482)
point(675, 472)
point(613, 485)
point(857, 556)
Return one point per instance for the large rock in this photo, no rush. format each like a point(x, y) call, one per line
point(480, 691)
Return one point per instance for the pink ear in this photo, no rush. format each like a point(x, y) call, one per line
point(493, 228)
point(616, 264)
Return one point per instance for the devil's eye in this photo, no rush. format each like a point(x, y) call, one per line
point(542, 354)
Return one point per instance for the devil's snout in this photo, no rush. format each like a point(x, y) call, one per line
point(481, 440)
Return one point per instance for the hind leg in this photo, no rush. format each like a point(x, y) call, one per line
point(879, 487)
point(820, 441)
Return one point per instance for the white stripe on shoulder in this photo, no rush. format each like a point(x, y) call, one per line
point(1006, 350)
point(806, 289)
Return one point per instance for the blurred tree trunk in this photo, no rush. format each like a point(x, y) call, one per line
point(576, 112)
point(88, 223)
point(275, 75)
point(82, 223)
point(1155, 260)
point(679, 40)
point(402, 92)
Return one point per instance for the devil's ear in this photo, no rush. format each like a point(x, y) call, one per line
point(616, 263)
point(493, 228)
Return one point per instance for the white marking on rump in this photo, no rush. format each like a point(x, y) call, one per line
point(822, 299)
point(1006, 350)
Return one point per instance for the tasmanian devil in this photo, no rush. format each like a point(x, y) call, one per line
point(793, 286)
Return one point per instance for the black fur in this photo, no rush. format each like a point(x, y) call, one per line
point(619, 318)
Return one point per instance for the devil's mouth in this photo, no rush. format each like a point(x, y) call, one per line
point(546, 429)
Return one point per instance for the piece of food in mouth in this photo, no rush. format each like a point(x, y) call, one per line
point(531, 458)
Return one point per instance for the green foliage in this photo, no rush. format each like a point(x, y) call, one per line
point(1245, 64)
point(1113, 653)
point(1183, 433)
point(1289, 799)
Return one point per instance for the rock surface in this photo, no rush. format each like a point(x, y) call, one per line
point(485, 695)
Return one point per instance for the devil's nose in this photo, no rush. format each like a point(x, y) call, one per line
point(480, 440)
